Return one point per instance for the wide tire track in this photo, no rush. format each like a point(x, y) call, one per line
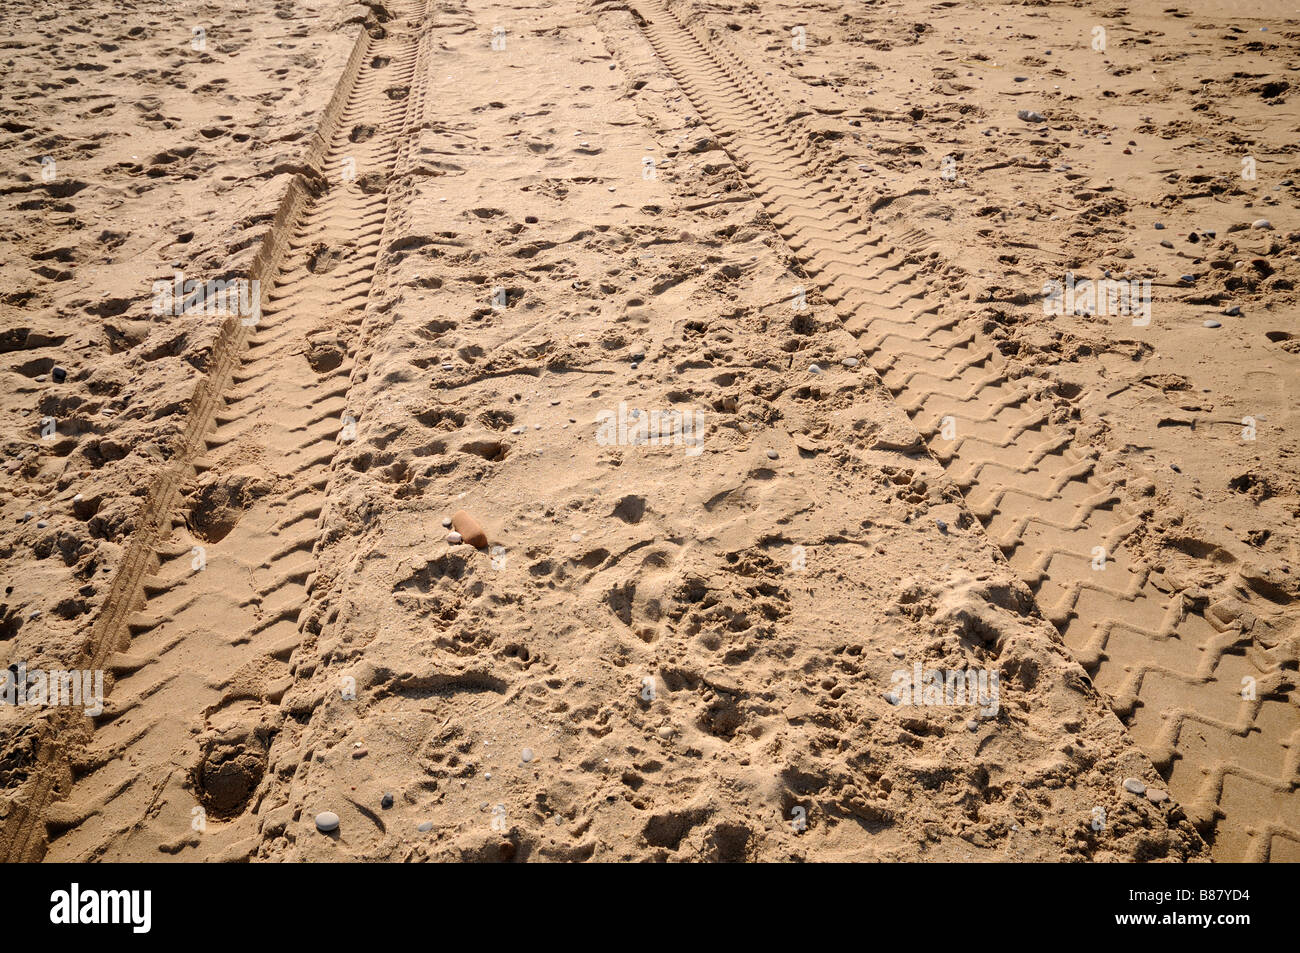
point(1173, 671)
point(203, 618)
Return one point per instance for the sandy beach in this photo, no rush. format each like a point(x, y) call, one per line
point(650, 431)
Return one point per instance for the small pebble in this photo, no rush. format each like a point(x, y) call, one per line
point(386, 801)
point(898, 653)
point(1156, 796)
point(526, 755)
point(943, 527)
point(665, 731)
point(454, 538)
point(972, 725)
point(1213, 324)
point(60, 375)
point(446, 521)
point(360, 753)
point(469, 529)
point(850, 362)
point(327, 821)
point(1234, 311)
point(1160, 226)
point(814, 369)
point(771, 455)
point(1134, 786)
point(1261, 223)
point(425, 826)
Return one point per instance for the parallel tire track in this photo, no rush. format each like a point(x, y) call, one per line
point(205, 610)
point(1174, 674)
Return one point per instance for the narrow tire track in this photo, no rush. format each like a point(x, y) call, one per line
point(1173, 670)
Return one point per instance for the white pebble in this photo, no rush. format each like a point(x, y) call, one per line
point(327, 821)
point(454, 538)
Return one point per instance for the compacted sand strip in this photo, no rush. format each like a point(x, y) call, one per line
point(200, 667)
point(1173, 672)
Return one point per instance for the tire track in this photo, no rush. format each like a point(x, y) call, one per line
point(1173, 670)
point(205, 611)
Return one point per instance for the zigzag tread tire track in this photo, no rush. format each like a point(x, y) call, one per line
point(255, 385)
point(1172, 674)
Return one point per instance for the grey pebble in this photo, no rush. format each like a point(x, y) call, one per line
point(1213, 324)
point(1134, 786)
point(327, 821)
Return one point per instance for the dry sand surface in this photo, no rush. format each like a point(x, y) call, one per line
point(650, 431)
